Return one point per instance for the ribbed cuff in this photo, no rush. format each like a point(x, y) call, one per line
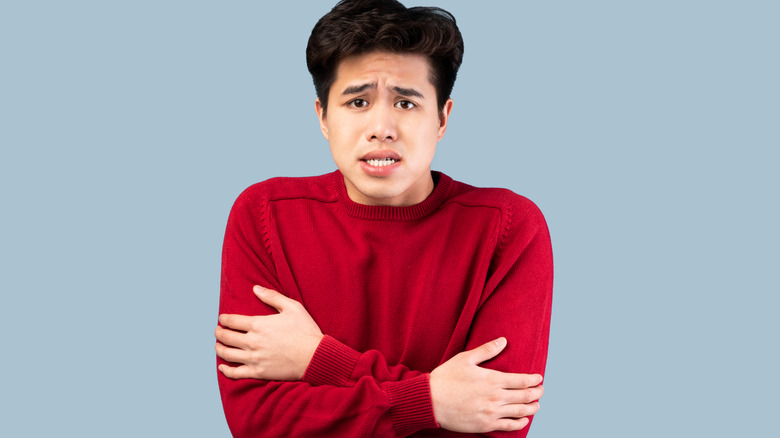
point(332, 363)
point(411, 407)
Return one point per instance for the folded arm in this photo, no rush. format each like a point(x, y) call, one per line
point(464, 396)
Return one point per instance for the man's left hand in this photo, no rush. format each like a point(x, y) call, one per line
point(268, 347)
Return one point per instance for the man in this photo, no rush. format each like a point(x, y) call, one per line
point(367, 302)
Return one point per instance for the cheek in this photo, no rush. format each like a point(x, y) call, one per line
point(425, 134)
point(342, 143)
point(343, 130)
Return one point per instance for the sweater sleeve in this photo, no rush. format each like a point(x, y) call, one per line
point(517, 299)
point(337, 364)
point(254, 408)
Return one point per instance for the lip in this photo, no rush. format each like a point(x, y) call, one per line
point(380, 171)
point(381, 154)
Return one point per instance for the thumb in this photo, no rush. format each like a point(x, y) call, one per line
point(486, 351)
point(271, 297)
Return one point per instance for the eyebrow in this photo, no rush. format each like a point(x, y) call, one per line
point(408, 92)
point(357, 89)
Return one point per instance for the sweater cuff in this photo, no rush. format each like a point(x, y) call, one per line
point(411, 407)
point(332, 364)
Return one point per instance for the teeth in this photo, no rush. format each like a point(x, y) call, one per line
point(381, 162)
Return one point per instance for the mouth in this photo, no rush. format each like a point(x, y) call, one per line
point(381, 162)
point(383, 157)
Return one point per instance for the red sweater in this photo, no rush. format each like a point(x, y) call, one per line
point(396, 290)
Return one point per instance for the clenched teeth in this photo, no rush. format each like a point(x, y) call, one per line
point(381, 162)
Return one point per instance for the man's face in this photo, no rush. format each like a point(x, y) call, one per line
point(383, 124)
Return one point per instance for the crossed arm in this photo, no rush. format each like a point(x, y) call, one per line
point(465, 396)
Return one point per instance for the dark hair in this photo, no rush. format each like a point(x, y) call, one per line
point(354, 27)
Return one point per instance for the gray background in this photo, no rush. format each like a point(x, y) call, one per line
point(646, 131)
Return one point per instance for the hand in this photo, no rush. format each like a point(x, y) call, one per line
point(268, 347)
point(469, 398)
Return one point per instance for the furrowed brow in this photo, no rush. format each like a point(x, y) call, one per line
point(408, 92)
point(357, 89)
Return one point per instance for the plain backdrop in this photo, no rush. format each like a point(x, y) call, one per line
point(647, 132)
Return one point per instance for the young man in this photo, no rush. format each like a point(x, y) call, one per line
point(383, 299)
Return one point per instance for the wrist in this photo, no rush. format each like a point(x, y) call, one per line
point(308, 349)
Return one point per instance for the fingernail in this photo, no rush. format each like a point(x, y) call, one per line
point(258, 289)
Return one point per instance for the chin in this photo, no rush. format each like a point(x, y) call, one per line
point(380, 193)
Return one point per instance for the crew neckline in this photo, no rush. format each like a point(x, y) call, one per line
point(442, 186)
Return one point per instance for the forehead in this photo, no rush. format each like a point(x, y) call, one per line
point(383, 68)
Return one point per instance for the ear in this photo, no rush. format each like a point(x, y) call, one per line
point(444, 116)
point(321, 115)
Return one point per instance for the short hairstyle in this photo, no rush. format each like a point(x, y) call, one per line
point(355, 27)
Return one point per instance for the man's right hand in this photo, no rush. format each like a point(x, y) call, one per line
point(469, 398)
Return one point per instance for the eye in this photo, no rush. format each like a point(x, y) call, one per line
point(405, 104)
point(358, 103)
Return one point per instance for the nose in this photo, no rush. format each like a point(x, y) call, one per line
point(382, 125)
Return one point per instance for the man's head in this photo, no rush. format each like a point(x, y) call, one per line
point(354, 27)
point(383, 75)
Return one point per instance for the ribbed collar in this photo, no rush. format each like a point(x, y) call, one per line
point(441, 190)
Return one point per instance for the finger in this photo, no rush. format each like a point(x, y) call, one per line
point(236, 322)
point(234, 355)
point(230, 338)
point(507, 424)
point(518, 410)
point(527, 395)
point(273, 298)
point(520, 381)
point(239, 372)
point(486, 351)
